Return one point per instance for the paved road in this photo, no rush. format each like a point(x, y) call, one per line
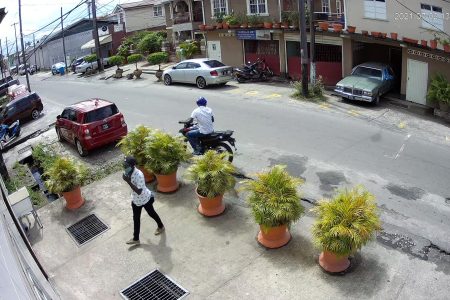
point(409, 175)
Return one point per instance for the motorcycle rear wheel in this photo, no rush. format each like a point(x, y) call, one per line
point(240, 79)
point(224, 147)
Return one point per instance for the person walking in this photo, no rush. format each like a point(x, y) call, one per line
point(142, 197)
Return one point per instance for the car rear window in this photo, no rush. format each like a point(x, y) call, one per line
point(101, 113)
point(368, 72)
point(214, 63)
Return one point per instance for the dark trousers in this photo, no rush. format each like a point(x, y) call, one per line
point(137, 216)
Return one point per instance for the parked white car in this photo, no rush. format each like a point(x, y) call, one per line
point(84, 66)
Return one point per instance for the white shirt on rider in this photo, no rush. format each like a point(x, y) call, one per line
point(203, 115)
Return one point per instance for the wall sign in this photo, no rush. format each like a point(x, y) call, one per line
point(253, 35)
point(429, 55)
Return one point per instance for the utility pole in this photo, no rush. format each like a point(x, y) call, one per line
point(304, 47)
point(7, 56)
point(312, 43)
point(89, 8)
point(97, 42)
point(23, 48)
point(17, 46)
point(1, 55)
point(64, 43)
point(34, 51)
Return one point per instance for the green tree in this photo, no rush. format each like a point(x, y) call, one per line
point(134, 59)
point(151, 43)
point(158, 58)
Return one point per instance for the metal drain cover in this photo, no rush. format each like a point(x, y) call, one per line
point(86, 229)
point(154, 286)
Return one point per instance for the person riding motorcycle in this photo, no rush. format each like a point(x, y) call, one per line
point(204, 117)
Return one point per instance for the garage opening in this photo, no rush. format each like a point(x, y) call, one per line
point(391, 55)
point(328, 61)
point(267, 50)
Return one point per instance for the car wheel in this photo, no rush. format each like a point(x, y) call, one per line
point(201, 82)
point(80, 148)
point(167, 79)
point(376, 101)
point(58, 134)
point(35, 114)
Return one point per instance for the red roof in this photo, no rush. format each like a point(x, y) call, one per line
point(90, 104)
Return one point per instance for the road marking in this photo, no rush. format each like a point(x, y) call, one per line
point(397, 155)
point(402, 125)
point(235, 91)
point(353, 112)
point(272, 96)
point(252, 93)
point(325, 106)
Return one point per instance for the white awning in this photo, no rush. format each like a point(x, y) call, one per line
point(105, 39)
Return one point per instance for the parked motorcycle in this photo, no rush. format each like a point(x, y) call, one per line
point(9, 133)
point(257, 71)
point(219, 141)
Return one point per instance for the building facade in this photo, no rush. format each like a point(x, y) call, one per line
point(141, 15)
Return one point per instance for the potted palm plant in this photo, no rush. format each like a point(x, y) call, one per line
point(117, 60)
point(134, 59)
point(133, 144)
point(65, 176)
point(285, 19)
point(213, 174)
point(439, 91)
point(344, 225)
point(164, 153)
point(158, 58)
point(275, 204)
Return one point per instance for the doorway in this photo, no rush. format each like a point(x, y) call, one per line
point(417, 81)
point(214, 51)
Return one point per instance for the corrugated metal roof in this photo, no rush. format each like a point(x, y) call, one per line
point(137, 4)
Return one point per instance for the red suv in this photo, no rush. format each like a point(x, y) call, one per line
point(90, 124)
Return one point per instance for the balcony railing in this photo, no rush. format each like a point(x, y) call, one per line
point(186, 18)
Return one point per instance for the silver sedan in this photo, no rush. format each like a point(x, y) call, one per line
point(200, 71)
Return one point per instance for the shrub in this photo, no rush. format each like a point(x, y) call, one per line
point(165, 152)
point(43, 156)
point(158, 58)
point(116, 60)
point(218, 17)
point(134, 59)
point(254, 20)
point(151, 42)
point(91, 58)
point(213, 174)
point(273, 197)
point(439, 89)
point(315, 91)
point(64, 175)
point(347, 222)
point(188, 49)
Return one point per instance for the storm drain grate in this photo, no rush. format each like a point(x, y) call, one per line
point(156, 286)
point(86, 229)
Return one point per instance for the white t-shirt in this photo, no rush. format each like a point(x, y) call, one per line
point(203, 115)
point(137, 178)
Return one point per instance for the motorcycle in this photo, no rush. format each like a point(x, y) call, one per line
point(219, 141)
point(257, 71)
point(9, 133)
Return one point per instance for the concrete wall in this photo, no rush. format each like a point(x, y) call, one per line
point(399, 19)
point(231, 49)
point(142, 18)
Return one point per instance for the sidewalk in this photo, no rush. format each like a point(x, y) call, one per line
point(215, 258)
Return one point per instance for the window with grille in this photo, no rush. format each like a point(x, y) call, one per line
point(325, 6)
point(339, 7)
point(375, 9)
point(157, 11)
point(219, 7)
point(328, 53)
point(257, 7)
point(432, 17)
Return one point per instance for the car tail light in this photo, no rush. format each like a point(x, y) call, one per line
point(86, 133)
point(122, 121)
point(214, 73)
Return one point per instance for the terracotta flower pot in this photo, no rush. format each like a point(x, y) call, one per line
point(209, 27)
point(337, 27)
point(383, 35)
point(332, 263)
point(260, 25)
point(268, 25)
point(73, 198)
point(219, 26)
point(447, 48)
point(433, 44)
point(410, 41)
point(364, 32)
point(244, 25)
point(285, 25)
point(394, 35)
point(149, 177)
point(276, 25)
point(376, 34)
point(167, 183)
point(351, 29)
point(235, 26)
point(274, 237)
point(424, 43)
point(201, 27)
point(324, 26)
point(225, 25)
point(210, 207)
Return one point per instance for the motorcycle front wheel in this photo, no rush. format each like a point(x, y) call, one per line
point(224, 148)
point(240, 79)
